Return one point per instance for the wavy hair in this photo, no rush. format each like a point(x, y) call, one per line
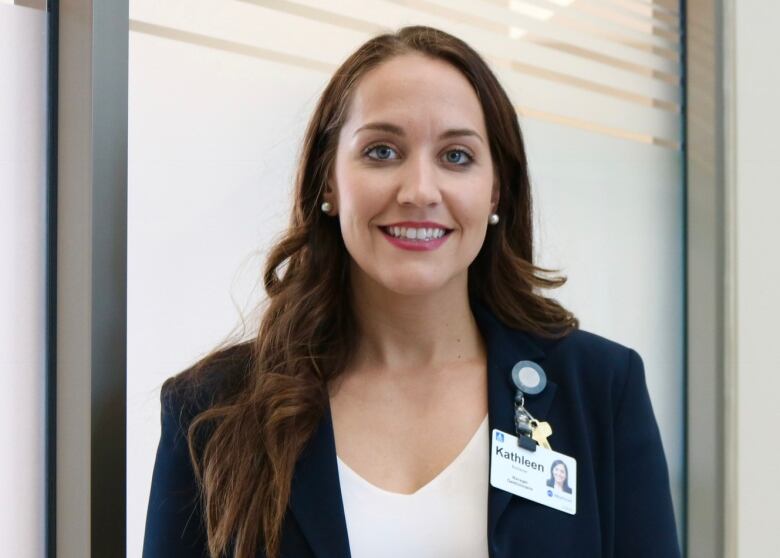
point(258, 423)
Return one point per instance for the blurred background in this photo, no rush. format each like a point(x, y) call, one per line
point(147, 157)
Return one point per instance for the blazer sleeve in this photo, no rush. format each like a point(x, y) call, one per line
point(644, 517)
point(174, 519)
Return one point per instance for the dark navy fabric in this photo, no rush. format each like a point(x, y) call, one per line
point(597, 402)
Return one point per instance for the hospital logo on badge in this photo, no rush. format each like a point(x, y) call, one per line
point(499, 436)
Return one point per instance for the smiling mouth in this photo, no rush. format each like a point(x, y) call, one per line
point(421, 234)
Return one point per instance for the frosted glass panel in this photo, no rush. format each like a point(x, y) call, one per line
point(220, 93)
point(22, 280)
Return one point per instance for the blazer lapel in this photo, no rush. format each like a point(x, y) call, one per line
point(315, 497)
point(506, 346)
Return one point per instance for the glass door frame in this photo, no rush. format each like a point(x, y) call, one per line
point(88, 259)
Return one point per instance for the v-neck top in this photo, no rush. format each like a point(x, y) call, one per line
point(446, 517)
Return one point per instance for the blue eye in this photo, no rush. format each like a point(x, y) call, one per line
point(382, 151)
point(465, 162)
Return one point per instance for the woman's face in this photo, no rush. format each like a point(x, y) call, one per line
point(559, 473)
point(413, 154)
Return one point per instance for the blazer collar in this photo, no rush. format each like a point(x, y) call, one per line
point(315, 498)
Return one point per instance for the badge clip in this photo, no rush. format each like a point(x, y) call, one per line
point(529, 379)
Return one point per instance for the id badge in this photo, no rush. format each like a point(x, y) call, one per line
point(543, 476)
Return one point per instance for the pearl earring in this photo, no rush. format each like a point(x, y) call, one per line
point(326, 207)
point(493, 219)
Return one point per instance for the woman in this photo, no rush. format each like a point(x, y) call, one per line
point(356, 422)
point(559, 477)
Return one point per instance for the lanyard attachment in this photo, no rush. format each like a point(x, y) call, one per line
point(524, 423)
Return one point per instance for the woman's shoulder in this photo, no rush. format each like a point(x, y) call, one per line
point(582, 345)
point(215, 378)
point(175, 520)
point(592, 361)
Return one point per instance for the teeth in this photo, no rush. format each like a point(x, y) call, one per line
point(416, 234)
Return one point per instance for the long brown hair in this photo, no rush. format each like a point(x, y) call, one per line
point(259, 421)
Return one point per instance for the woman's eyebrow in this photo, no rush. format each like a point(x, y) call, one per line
point(398, 131)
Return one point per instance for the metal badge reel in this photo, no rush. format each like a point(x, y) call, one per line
point(529, 377)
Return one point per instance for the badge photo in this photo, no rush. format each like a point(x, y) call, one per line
point(543, 476)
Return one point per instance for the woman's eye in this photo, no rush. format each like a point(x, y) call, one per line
point(461, 158)
point(382, 151)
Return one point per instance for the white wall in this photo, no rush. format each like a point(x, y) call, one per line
point(22, 279)
point(220, 93)
point(756, 117)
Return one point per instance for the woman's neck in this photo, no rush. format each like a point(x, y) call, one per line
point(414, 332)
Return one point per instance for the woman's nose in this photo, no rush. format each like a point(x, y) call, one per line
point(419, 182)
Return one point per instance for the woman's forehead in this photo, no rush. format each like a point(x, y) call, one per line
point(412, 89)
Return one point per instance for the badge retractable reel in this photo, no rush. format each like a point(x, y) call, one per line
point(529, 379)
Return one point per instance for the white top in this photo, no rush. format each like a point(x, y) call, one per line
point(446, 517)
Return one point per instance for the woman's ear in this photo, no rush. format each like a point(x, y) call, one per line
point(330, 195)
point(495, 195)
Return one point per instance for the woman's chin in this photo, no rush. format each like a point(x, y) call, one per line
point(407, 279)
point(413, 288)
point(405, 282)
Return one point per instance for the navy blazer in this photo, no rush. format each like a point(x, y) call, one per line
point(597, 403)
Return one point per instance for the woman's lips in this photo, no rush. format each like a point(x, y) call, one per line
point(415, 245)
